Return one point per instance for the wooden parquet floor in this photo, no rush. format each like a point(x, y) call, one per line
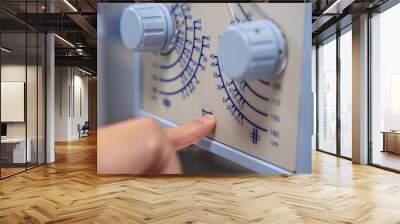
point(69, 191)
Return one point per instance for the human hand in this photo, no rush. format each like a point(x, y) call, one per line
point(141, 145)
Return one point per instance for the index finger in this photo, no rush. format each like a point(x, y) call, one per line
point(191, 132)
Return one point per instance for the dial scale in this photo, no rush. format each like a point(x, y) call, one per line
point(243, 63)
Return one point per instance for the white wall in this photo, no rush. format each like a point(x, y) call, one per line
point(80, 110)
point(16, 73)
point(71, 94)
point(62, 81)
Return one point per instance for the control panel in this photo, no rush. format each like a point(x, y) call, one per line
point(247, 64)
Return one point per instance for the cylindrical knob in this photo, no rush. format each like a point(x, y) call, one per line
point(252, 50)
point(146, 27)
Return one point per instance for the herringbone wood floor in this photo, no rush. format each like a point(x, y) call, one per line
point(69, 191)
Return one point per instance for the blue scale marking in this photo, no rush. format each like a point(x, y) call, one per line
point(192, 77)
point(204, 112)
point(236, 108)
point(248, 18)
point(177, 40)
point(173, 8)
point(247, 85)
point(244, 99)
point(255, 137)
point(264, 82)
point(188, 61)
point(181, 52)
point(172, 11)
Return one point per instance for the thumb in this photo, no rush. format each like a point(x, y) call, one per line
point(191, 132)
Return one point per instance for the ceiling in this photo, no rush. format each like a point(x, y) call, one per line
point(332, 15)
point(76, 20)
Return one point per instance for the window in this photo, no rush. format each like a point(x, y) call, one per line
point(22, 76)
point(334, 73)
point(327, 96)
point(385, 89)
point(346, 95)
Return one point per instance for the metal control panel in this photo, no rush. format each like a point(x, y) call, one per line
point(247, 64)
